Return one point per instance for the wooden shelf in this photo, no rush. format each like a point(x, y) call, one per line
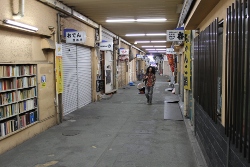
point(21, 129)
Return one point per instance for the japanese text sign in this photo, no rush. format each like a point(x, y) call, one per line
point(175, 35)
point(75, 37)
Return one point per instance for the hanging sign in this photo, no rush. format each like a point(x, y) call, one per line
point(138, 56)
point(187, 61)
point(175, 35)
point(170, 51)
point(123, 51)
point(75, 37)
point(106, 46)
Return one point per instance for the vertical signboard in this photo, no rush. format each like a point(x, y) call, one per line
point(59, 68)
point(187, 60)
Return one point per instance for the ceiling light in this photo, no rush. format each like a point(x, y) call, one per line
point(157, 34)
point(151, 20)
point(160, 49)
point(160, 46)
point(20, 25)
point(158, 41)
point(121, 20)
point(147, 46)
point(142, 41)
point(150, 49)
point(131, 35)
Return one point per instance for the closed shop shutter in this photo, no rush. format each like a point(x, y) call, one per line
point(69, 96)
point(84, 76)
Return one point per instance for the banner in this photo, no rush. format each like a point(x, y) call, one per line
point(59, 68)
point(187, 60)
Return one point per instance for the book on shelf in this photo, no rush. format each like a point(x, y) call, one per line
point(6, 98)
point(8, 127)
point(9, 110)
point(7, 84)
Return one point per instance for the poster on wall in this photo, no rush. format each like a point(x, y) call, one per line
point(59, 68)
point(43, 81)
point(187, 61)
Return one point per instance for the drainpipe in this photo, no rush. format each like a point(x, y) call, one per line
point(21, 10)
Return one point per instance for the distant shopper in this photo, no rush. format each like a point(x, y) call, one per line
point(149, 79)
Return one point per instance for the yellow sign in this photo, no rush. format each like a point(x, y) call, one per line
point(43, 84)
point(187, 60)
point(59, 74)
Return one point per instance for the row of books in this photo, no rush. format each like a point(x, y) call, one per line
point(9, 110)
point(28, 118)
point(26, 82)
point(6, 84)
point(25, 94)
point(14, 124)
point(12, 109)
point(8, 97)
point(8, 127)
point(27, 105)
point(20, 70)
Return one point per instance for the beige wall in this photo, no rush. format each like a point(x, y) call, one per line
point(36, 14)
point(79, 26)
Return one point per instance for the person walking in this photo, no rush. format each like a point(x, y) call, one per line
point(149, 79)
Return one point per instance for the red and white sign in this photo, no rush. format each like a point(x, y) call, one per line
point(123, 58)
point(124, 51)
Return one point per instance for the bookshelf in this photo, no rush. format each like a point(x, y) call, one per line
point(18, 98)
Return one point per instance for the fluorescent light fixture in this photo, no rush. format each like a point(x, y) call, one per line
point(147, 46)
point(138, 20)
point(160, 49)
point(150, 49)
point(157, 34)
point(120, 20)
point(142, 41)
point(20, 25)
point(158, 41)
point(133, 35)
point(160, 46)
point(152, 20)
